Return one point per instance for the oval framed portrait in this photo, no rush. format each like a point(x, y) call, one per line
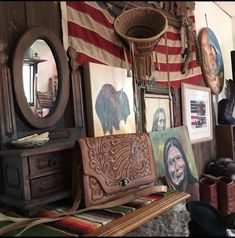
point(212, 60)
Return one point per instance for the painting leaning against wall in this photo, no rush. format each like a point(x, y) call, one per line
point(174, 159)
point(109, 100)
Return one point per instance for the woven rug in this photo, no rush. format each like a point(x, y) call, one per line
point(79, 224)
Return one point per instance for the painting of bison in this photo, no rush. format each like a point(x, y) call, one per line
point(109, 100)
point(112, 106)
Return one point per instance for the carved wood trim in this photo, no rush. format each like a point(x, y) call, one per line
point(76, 89)
point(7, 119)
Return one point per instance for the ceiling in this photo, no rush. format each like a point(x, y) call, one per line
point(228, 7)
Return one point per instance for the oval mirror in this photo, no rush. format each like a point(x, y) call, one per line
point(41, 77)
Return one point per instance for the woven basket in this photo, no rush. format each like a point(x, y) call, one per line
point(142, 26)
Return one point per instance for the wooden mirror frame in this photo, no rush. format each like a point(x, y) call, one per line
point(28, 38)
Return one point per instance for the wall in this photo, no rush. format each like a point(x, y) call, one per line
point(206, 151)
point(221, 24)
point(233, 24)
point(18, 17)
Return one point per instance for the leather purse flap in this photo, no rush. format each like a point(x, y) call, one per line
point(118, 162)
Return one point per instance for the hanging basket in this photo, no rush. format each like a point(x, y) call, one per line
point(141, 26)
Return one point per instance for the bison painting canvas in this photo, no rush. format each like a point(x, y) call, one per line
point(109, 100)
point(111, 107)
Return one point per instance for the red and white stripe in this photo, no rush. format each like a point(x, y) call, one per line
point(90, 31)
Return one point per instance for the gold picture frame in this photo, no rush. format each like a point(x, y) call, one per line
point(197, 112)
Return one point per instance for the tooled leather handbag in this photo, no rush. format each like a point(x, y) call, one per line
point(108, 171)
point(112, 167)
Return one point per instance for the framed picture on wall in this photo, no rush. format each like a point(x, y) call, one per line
point(197, 112)
point(156, 108)
point(109, 100)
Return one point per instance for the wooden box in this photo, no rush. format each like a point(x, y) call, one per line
point(37, 176)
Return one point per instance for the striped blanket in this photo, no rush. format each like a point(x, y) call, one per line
point(79, 224)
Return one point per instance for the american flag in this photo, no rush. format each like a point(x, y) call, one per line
point(88, 28)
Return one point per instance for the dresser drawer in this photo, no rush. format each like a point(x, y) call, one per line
point(50, 162)
point(50, 184)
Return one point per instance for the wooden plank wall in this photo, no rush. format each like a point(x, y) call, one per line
point(17, 17)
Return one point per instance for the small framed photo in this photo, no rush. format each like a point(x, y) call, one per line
point(197, 112)
point(156, 108)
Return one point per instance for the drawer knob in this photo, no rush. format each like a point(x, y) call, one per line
point(52, 163)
